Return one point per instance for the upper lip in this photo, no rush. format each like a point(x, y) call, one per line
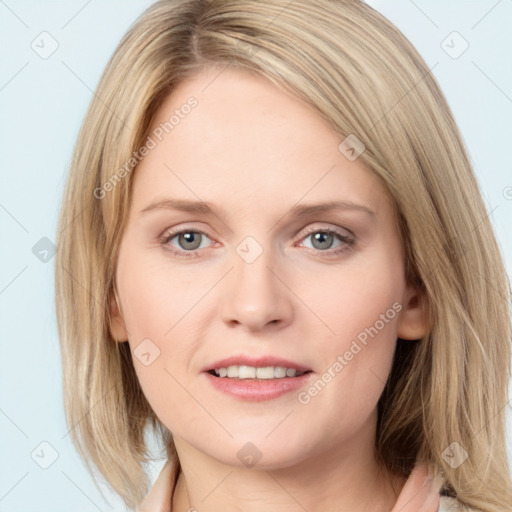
point(257, 362)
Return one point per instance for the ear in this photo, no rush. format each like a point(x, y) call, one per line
point(117, 326)
point(414, 321)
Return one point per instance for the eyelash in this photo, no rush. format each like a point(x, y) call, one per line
point(168, 236)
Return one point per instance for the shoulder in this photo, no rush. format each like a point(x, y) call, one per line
point(159, 498)
point(448, 504)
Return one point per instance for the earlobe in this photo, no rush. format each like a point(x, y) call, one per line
point(414, 321)
point(117, 326)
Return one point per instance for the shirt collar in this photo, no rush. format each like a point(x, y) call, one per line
point(419, 494)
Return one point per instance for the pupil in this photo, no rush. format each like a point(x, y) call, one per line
point(321, 238)
point(188, 238)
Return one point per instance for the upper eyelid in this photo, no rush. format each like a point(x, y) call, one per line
point(170, 234)
point(324, 226)
point(333, 229)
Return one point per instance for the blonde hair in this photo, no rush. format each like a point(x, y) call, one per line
point(363, 76)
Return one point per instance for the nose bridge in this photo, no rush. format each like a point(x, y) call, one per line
point(256, 296)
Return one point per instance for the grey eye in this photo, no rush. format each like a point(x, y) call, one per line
point(187, 240)
point(322, 239)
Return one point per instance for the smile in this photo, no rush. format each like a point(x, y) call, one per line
point(260, 373)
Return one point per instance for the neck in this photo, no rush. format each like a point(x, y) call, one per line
point(346, 479)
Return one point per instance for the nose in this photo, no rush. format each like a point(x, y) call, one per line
point(256, 296)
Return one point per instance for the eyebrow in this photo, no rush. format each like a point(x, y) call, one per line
point(299, 210)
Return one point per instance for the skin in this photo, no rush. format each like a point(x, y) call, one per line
point(255, 152)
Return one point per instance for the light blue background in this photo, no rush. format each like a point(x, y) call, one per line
point(43, 101)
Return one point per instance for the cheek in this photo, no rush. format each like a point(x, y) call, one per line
point(161, 311)
point(359, 301)
point(156, 295)
point(361, 306)
point(348, 328)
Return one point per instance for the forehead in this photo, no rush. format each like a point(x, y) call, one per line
point(249, 144)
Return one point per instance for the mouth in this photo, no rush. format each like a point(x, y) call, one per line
point(256, 378)
point(243, 372)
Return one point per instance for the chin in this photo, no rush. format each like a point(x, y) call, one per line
point(261, 455)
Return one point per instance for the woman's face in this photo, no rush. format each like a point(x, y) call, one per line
point(259, 276)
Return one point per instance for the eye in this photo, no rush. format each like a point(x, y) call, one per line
point(186, 241)
point(324, 239)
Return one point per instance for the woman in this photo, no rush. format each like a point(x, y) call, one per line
point(303, 294)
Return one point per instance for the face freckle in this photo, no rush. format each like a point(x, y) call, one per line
point(272, 275)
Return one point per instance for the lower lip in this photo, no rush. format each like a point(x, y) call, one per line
point(257, 390)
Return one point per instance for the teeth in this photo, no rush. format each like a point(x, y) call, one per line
point(250, 372)
point(266, 373)
point(246, 372)
point(279, 372)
